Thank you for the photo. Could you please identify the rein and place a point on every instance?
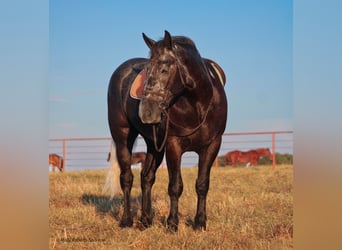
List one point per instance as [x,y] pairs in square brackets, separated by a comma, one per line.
[159,149]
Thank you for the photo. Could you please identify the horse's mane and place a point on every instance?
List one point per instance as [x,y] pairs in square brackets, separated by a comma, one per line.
[183,41]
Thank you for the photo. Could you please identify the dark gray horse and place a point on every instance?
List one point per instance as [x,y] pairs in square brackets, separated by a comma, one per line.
[183,108]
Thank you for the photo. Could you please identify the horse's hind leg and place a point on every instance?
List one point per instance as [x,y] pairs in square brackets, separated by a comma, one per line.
[206,159]
[126,181]
[123,152]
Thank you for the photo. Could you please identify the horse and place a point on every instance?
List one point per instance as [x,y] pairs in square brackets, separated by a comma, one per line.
[183,107]
[250,157]
[56,161]
[137,157]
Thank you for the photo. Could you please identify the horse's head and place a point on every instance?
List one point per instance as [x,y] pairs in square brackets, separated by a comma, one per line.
[166,79]
[266,152]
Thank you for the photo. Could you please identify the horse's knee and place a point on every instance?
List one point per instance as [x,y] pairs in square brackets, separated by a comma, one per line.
[147,180]
[202,186]
[126,178]
[175,189]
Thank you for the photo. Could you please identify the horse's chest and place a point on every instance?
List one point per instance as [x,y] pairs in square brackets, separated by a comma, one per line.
[193,142]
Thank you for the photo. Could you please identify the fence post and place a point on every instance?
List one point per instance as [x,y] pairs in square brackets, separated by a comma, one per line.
[64,153]
[273,151]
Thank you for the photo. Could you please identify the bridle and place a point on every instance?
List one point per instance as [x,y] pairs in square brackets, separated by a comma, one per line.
[164,106]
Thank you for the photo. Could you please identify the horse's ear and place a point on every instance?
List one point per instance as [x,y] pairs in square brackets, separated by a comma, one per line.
[149,42]
[168,40]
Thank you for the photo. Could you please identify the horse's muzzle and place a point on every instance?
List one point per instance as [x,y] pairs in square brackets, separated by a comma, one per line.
[149,111]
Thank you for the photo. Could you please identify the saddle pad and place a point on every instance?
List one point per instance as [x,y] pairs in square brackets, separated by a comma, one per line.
[138,85]
[219,71]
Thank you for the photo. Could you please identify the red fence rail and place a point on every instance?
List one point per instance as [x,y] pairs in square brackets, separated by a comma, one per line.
[91,153]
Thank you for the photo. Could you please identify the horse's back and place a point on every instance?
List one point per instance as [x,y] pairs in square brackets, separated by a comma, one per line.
[118,92]
[124,75]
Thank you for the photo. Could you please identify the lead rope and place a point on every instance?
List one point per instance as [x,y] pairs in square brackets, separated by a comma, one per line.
[159,149]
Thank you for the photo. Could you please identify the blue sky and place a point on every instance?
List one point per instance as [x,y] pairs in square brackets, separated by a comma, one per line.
[251,40]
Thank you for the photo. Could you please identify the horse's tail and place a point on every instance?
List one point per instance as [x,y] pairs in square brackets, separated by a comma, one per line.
[112,183]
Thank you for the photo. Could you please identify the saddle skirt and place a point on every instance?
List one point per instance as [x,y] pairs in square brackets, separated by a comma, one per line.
[218,70]
[138,83]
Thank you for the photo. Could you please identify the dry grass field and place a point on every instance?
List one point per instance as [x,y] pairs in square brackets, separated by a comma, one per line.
[247,208]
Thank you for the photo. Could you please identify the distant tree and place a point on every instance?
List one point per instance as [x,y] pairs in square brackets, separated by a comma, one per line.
[265,161]
[222,161]
[280,159]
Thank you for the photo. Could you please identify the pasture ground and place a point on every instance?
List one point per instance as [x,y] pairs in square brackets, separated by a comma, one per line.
[247,208]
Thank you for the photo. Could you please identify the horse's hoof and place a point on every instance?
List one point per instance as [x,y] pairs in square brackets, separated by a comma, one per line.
[144,223]
[172,228]
[141,226]
[128,222]
[199,225]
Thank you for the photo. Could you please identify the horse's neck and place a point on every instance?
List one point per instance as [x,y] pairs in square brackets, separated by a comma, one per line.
[190,111]
[202,93]
[262,152]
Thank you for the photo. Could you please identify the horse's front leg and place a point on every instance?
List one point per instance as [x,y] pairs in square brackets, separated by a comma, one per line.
[148,173]
[206,159]
[175,189]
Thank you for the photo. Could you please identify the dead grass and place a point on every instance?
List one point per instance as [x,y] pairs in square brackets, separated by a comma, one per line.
[247,208]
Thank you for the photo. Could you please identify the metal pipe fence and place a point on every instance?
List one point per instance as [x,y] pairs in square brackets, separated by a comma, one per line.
[92,153]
